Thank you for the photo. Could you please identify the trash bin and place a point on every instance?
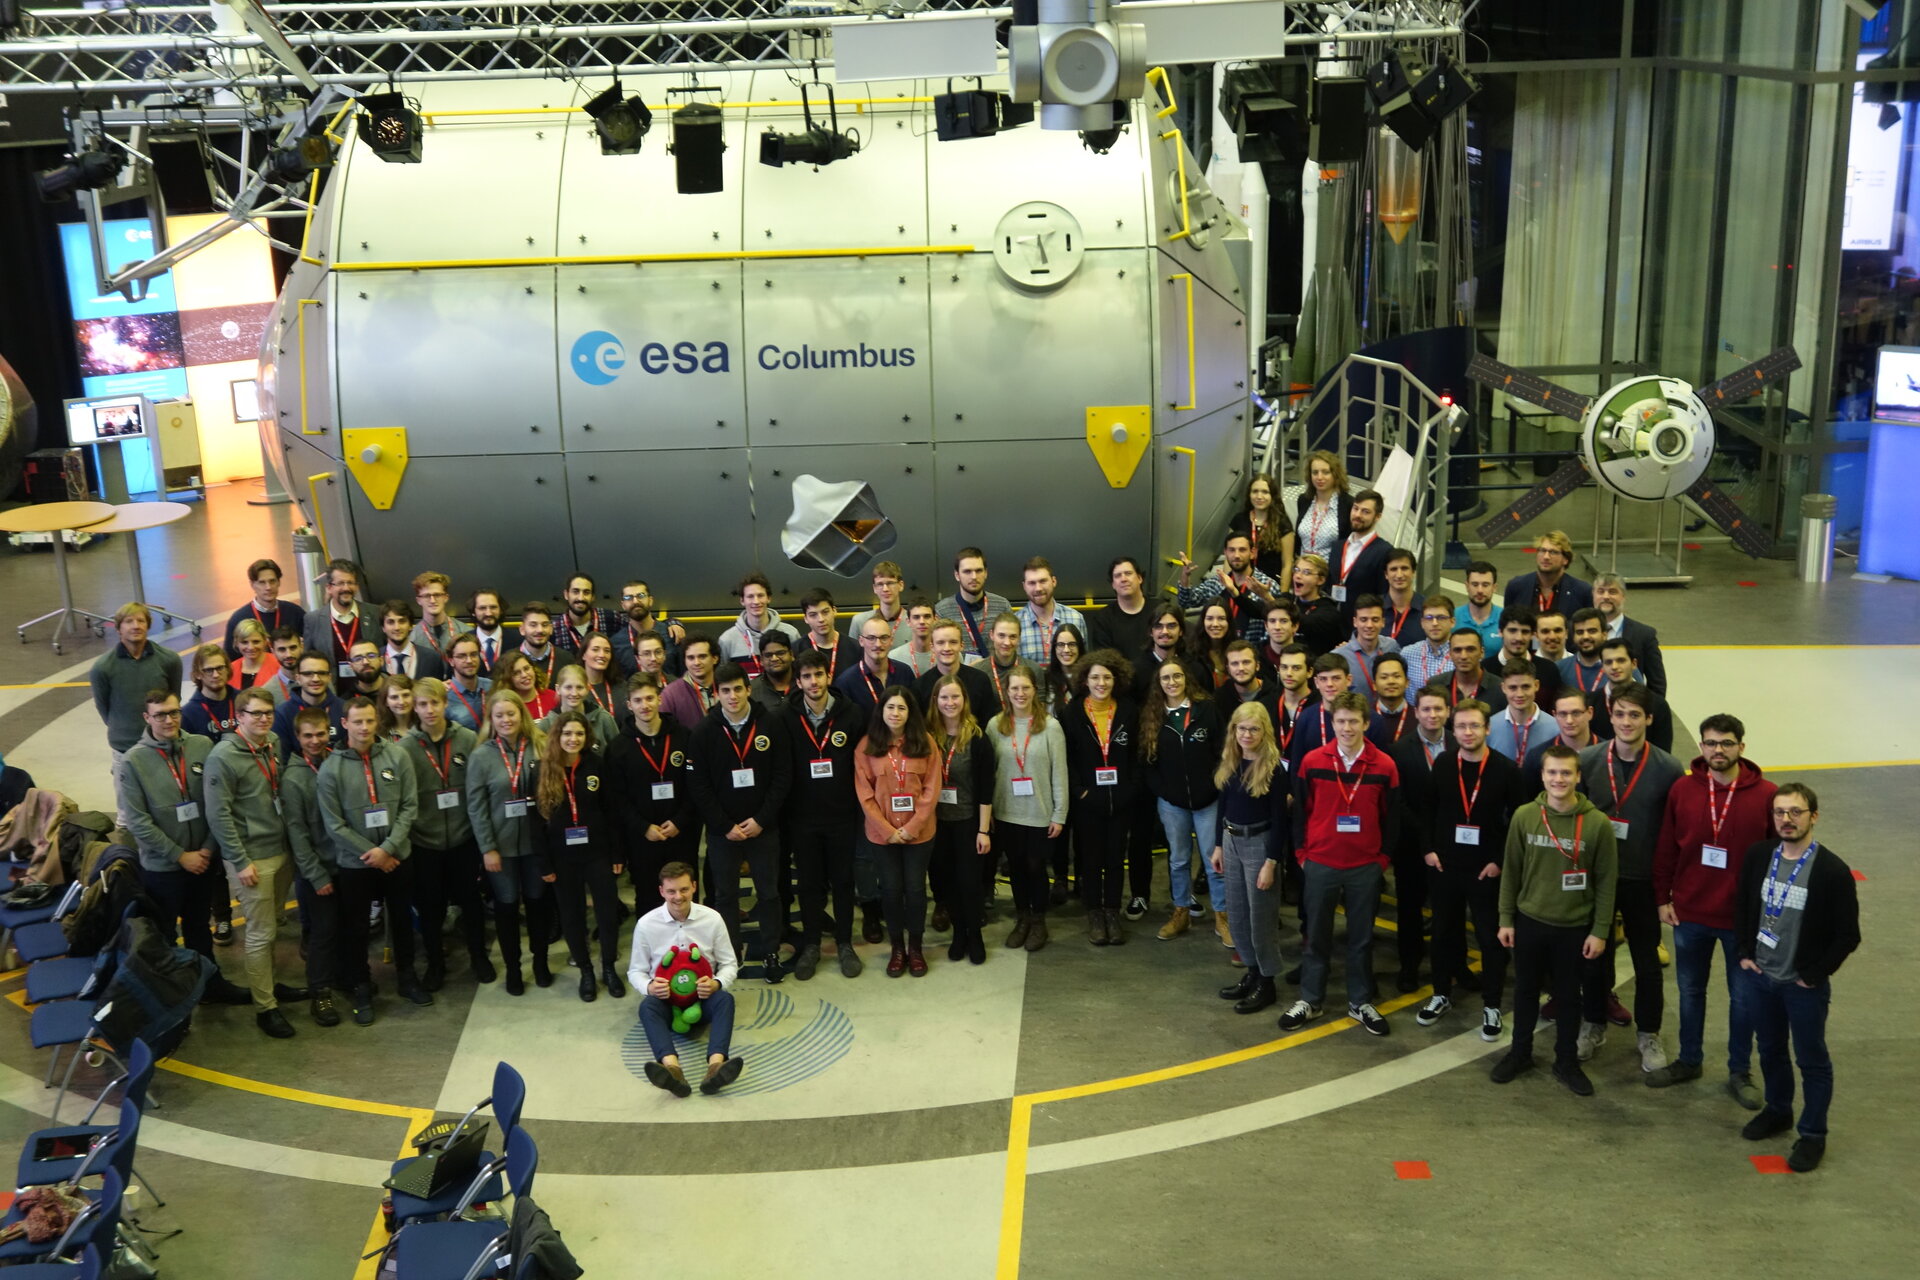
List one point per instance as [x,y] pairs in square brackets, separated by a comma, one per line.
[1816,536]
[310,563]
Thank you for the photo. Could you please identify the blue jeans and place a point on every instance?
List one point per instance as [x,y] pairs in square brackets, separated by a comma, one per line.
[1778,1011]
[1693,946]
[656,1018]
[1184,827]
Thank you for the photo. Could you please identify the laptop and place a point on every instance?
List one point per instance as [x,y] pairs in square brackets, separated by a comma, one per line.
[452,1163]
[1896,384]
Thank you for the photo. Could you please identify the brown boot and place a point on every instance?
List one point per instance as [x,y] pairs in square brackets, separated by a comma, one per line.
[1097,927]
[1037,936]
[1116,930]
[1221,931]
[1022,927]
[1176,924]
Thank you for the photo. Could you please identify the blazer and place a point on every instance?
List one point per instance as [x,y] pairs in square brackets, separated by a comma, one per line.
[1643,642]
[1343,508]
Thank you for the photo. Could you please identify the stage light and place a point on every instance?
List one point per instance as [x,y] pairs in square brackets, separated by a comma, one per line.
[697,143]
[84,171]
[816,144]
[1101,141]
[976,113]
[301,157]
[1259,112]
[620,122]
[1392,89]
[390,125]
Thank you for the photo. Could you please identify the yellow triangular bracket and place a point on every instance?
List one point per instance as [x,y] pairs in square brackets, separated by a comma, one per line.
[377,456]
[1119,434]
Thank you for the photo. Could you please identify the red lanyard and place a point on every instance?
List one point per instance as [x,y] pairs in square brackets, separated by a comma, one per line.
[433,642]
[1581,681]
[444,765]
[1293,724]
[1459,776]
[993,669]
[1717,816]
[603,697]
[578,636]
[1399,621]
[1432,753]
[741,747]
[1351,552]
[1102,731]
[513,766]
[1619,796]
[261,618]
[1348,794]
[700,695]
[946,765]
[1574,856]
[344,646]
[1520,735]
[1543,600]
[453,686]
[832,650]
[875,689]
[1318,515]
[1020,752]
[966,616]
[666,752]
[552,658]
[266,765]
[1400,725]
[180,774]
[1455,682]
[897,761]
[1053,625]
[366,767]
[819,741]
[221,712]
[573,809]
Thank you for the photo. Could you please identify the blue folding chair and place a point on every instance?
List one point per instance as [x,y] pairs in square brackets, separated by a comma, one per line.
[466,1248]
[68,1024]
[87,1268]
[14,918]
[95,1226]
[34,1173]
[508,1097]
[47,938]
[60,978]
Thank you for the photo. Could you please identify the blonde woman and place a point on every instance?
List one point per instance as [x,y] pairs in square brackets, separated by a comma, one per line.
[963,841]
[502,778]
[256,663]
[1322,512]
[1254,837]
[1029,799]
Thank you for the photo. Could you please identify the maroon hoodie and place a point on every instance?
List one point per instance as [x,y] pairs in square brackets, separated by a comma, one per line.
[1702,893]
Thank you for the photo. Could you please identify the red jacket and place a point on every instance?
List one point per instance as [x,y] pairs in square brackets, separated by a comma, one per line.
[1703,894]
[1322,793]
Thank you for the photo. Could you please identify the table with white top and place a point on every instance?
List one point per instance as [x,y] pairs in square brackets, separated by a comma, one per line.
[57,518]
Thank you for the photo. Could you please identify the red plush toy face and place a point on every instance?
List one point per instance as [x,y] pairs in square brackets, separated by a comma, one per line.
[683,967]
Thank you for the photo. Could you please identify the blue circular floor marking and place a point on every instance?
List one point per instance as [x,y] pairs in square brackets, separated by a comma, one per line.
[784,1041]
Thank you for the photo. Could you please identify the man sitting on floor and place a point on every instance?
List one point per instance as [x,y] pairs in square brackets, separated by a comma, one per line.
[680,921]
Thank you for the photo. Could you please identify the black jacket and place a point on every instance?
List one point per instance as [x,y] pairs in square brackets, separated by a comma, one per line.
[1409,756]
[1367,577]
[1643,643]
[1323,628]
[1829,925]
[1496,792]
[594,808]
[1343,508]
[633,777]
[1084,755]
[1659,721]
[983,699]
[717,753]
[831,801]
[1181,771]
[1146,673]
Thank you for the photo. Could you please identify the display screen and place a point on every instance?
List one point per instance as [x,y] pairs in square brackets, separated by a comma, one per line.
[1896,384]
[95,421]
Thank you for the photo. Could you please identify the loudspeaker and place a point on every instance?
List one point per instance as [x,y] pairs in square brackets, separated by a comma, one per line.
[697,146]
[1339,131]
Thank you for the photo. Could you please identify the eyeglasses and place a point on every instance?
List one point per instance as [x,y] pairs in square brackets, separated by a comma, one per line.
[1719,744]
[636,595]
[1791,813]
[165,715]
[252,714]
[431,595]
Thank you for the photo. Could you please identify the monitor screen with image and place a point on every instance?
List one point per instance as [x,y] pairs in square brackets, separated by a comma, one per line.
[107,419]
[1896,384]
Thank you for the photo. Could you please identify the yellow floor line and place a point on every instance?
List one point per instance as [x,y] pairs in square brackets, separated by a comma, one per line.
[1778,770]
[377,1236]
[1888,645]
[72,684]
[283,1092]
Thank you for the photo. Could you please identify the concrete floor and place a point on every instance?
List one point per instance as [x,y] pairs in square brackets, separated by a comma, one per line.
[1151,1131]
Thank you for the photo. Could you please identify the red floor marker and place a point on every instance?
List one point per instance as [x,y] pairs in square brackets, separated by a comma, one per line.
[1746,584]
[6,1201]
[1415,1169]
[1769,1164]
[1527,550]
[1859,874]
[1693,546]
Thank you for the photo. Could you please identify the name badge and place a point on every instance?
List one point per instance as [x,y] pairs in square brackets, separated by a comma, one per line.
[186,811]
[1463,834]
[820,768]
[375,817]
[446,799]
[1573,881]
[1713,855]
[276,804]
[663,791]
[516,808]
[1348,823]
[1620,826]
[1768,938]
[576,835]
[346,670]
[1023,786]
[1106,777]
[901,803]
[949,795]
[742,778]
[1339,594]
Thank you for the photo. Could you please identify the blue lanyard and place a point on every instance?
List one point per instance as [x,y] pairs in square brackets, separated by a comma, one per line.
[1768,909]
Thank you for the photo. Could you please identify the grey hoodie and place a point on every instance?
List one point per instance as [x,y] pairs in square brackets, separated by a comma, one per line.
[243,801]
[345,805]
[148,791]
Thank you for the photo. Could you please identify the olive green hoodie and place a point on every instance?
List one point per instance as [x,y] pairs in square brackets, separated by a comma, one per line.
[1531,876]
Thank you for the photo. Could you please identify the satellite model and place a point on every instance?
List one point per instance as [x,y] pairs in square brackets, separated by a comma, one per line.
[1648,438]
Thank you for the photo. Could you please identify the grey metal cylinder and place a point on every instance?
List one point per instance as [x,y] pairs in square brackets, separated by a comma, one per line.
[310,565]
[1816,536]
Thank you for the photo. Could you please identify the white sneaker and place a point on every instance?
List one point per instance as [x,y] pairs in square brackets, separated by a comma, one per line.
[1490,1025]
[1432,1011]
[1592,1036]
[1652,1055]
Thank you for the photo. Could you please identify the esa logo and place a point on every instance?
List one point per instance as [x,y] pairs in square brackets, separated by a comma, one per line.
[599,357]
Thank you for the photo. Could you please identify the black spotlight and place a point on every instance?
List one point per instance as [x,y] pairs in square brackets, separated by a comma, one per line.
[303,156]
[1259,111]
[1391,86]
[86,171]
[697,143]
[620,122]
[1444,89]
[390,125]
[976,113]
[816,144]
[1100,141]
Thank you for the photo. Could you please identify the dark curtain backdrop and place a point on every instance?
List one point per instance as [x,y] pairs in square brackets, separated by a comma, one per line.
[36,322]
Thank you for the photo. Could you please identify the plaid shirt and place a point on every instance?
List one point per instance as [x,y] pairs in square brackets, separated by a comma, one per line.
[1036,640]
[1426,661]
[1248,611]
[564,634]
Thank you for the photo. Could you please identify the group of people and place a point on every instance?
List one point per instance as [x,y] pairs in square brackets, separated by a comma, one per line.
[1290,745]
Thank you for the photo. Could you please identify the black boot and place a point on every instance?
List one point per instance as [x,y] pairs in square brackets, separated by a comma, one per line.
[1257,999]
[1243,988]
[588,988]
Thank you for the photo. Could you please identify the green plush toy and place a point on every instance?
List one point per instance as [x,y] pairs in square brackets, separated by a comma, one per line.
[683,967]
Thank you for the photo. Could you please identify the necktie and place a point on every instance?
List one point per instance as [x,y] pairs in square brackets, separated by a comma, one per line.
[489,655]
